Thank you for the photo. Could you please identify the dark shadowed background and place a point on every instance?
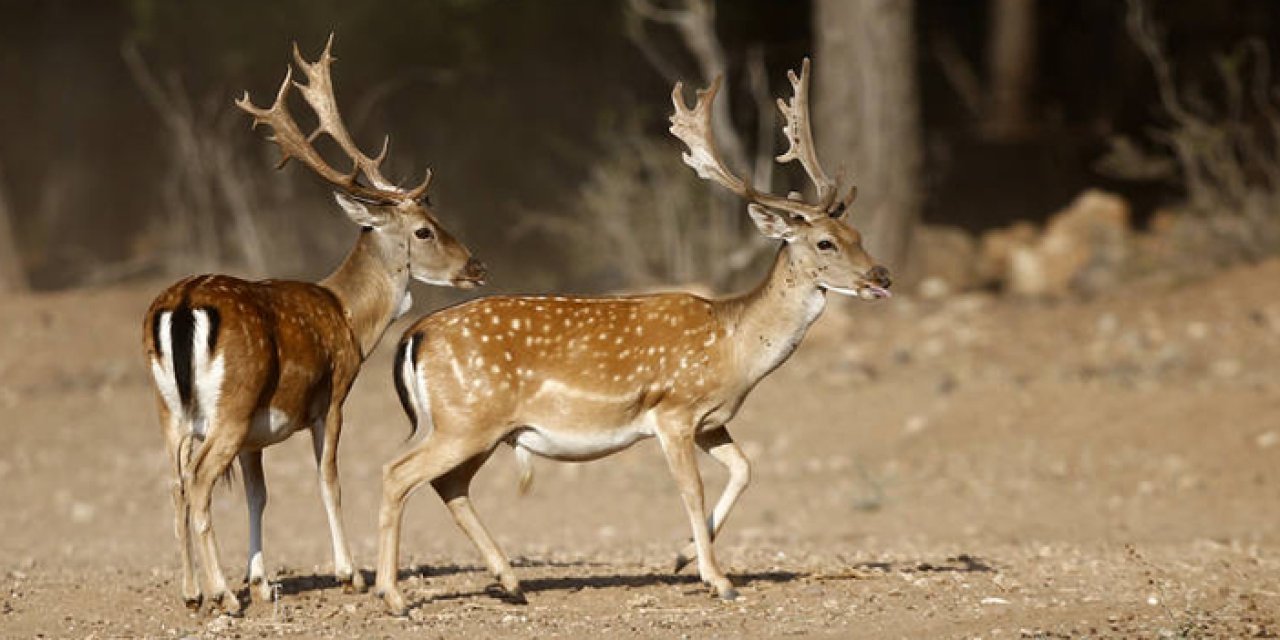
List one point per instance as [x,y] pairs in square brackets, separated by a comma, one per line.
[124,158]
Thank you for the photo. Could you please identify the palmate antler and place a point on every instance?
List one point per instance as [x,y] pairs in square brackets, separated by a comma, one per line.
[318,92]
[693,127]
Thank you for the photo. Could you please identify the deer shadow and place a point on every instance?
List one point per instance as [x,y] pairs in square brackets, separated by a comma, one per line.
[298,584]
[295,584]
[963,563]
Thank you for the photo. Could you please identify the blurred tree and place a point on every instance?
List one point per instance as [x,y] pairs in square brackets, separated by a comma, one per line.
[868,114]
[726,245]
[1011,67]
[13,277]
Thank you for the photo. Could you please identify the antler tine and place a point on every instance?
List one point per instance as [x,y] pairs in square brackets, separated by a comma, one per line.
[264,116]
[318,92]
[287,135]
[420,190]
[693,128]
[796,115]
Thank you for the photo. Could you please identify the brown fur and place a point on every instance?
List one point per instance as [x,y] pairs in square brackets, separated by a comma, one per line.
[574,378]
[284,354]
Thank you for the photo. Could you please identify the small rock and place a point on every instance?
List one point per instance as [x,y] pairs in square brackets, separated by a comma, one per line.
[934,288]
[1267,440]
[82,512]
[1226,368]
[220,625]
[642,602]
[915,424]
[994,600]
[1197,330]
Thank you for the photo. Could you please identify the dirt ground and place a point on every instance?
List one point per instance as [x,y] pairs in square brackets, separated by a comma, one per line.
[970,467]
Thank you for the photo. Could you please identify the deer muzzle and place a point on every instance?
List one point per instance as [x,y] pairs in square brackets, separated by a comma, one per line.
[473,274]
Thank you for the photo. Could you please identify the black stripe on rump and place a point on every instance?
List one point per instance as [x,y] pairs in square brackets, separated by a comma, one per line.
[402,384]
[182,327]
[155,332]
[215,319]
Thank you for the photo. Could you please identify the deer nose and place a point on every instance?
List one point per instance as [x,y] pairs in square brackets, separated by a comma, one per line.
[475,270]
[880,276]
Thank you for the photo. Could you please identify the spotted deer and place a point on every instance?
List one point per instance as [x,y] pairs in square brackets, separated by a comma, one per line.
[239,366]
[578,378]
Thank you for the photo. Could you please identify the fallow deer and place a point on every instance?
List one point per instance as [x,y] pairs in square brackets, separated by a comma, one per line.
[239,366]
[576,378]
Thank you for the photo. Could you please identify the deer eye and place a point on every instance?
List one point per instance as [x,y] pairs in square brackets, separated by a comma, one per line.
[424,233]
[826,245]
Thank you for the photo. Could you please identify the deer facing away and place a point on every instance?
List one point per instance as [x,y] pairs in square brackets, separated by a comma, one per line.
[574,379]
[239,366]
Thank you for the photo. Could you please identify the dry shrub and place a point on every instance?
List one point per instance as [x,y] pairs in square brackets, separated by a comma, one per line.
[642,219]
[222,203]
[1225,153]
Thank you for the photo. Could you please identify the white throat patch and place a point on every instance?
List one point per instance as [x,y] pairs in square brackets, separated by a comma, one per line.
[406,303]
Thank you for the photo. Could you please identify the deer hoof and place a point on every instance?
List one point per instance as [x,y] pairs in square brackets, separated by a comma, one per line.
[353,583]
[509,595]
[682,561]
[516,596]
[262,590]
[394,601]
[228,603]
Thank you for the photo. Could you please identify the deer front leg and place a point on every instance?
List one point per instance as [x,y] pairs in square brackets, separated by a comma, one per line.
[255,494]
[720,445]
[324,440]
[678,445]
[454,488]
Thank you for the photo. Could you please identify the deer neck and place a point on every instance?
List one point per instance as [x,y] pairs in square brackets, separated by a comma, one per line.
[372,284]
[769,322]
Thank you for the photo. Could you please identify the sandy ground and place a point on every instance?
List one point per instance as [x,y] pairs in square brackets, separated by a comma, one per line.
[973,467]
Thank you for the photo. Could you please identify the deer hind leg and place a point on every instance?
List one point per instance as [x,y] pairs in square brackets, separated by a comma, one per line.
[454,488]
[255,493]
[324,440]
[210,462]
[178,443]
[720,445]
[430,459]
[678,446]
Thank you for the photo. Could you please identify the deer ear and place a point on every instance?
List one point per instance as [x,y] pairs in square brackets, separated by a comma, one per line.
[772,225]
[362,212]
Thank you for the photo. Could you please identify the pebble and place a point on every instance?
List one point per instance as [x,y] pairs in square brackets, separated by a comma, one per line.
[1267,439]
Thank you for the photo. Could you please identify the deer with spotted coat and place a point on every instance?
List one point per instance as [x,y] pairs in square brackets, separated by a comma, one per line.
[575,378]
[239,366]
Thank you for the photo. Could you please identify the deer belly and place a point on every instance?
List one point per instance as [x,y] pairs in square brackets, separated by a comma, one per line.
[269,426]
[577,446]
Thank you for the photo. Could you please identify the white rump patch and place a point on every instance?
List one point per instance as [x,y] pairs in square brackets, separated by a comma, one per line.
[162,367]
[208,374]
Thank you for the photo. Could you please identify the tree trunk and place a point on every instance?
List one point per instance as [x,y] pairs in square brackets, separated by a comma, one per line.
[868,115]
[1011,64]
[13,278]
